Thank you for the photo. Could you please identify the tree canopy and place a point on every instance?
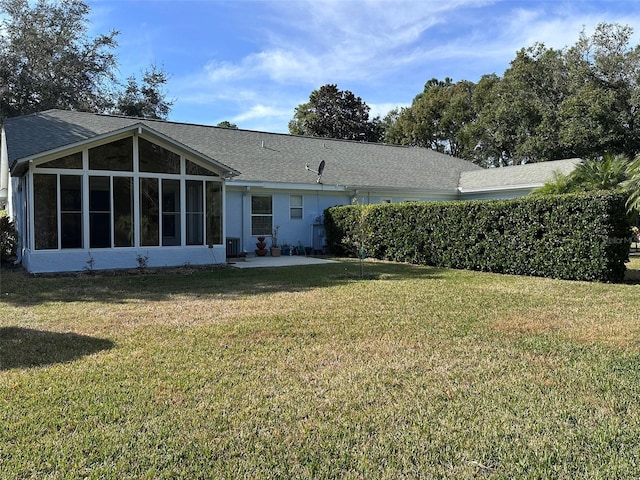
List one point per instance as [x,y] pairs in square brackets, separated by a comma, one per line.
[47,60]
[147,100]
[334,113]
[582,101]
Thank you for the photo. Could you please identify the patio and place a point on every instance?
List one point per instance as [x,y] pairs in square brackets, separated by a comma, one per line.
[282,261]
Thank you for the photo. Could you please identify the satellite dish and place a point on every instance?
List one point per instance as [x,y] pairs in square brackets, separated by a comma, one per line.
[317,172]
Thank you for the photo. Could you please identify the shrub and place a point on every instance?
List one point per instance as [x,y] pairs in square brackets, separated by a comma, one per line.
[577,236]
[8,238]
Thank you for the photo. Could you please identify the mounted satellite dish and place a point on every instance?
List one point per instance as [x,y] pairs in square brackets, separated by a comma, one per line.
[317,172]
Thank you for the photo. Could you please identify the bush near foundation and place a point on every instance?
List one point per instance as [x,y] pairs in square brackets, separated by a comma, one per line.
[8,238]
[577,237]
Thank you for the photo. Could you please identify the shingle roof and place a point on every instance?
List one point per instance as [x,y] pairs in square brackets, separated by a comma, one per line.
[258,156]
[531,174]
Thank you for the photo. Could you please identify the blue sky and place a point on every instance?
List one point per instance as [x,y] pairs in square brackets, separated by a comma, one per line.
[253,62]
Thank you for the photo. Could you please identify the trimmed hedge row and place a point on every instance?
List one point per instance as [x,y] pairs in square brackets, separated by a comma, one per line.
[574,237]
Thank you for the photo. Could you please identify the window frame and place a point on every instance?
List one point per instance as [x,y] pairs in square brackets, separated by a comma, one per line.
[296,208]
[256,216]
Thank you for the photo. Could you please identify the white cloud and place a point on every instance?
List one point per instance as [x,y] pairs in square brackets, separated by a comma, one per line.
[260,111]
[383,51]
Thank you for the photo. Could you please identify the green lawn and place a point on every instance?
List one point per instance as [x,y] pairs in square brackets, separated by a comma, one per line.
[309,372]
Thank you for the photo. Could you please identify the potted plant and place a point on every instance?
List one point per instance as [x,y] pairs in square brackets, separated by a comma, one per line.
[275,248]
[285,249]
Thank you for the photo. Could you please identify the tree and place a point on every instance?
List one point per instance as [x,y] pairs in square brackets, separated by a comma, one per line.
[602,109]
[47,60]
[147,100]
[438,118]
[334,113]
[227,124]
[522,111]
[611,172]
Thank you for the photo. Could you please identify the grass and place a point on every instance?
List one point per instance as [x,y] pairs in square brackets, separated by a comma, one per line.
[309,372]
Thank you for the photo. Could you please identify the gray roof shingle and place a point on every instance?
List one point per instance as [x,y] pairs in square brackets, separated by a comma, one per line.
[258,156]
[531,174]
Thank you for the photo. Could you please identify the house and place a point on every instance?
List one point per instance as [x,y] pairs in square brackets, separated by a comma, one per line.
[98,191]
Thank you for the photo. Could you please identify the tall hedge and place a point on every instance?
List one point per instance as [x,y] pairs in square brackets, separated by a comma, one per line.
[576,237]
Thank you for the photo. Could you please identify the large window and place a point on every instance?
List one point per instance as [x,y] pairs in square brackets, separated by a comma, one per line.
[70,161]
[49,191]
[99,212]
[261,215]
[123,212]
[70,211]
[149,212]
[116,155]
[171,226]
[153,158]
[174,200]
[214,213]
[195,213]
[45,209]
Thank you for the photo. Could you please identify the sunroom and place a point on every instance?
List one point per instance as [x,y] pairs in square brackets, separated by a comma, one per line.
[132,198]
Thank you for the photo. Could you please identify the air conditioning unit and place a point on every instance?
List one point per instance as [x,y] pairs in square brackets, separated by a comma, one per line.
[233,247]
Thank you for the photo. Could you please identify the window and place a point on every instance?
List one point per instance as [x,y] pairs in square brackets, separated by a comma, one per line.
[173,205]
[116,155]
[295,207]
[193,169]
[45,211]
[149,212]
[153,158]
[171,212]
[99,212]
[70,161]
[195,212]
[123,211]
[214,213]
[70,211]
[261,215]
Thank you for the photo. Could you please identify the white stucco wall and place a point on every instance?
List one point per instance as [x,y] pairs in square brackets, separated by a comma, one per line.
[46,261]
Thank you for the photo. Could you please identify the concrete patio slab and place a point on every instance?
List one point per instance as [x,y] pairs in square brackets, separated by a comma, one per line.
[283,261]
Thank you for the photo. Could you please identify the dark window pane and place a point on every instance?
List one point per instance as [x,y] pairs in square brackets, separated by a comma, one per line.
[261,225]
[171,212]
[123,211]
[154,158]
[45,210]
[71,211]
[214,213]
[193,169]
[195,213]
[70,193]
[261,205]
[149,212]
[113,156]
[70,161]
[71,230]
[99,212]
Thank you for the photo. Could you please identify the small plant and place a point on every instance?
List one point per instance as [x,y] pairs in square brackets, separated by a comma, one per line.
[143,261]
[274,236]
[90,264]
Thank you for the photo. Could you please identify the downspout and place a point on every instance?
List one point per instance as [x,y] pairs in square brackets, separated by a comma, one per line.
[4,171]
